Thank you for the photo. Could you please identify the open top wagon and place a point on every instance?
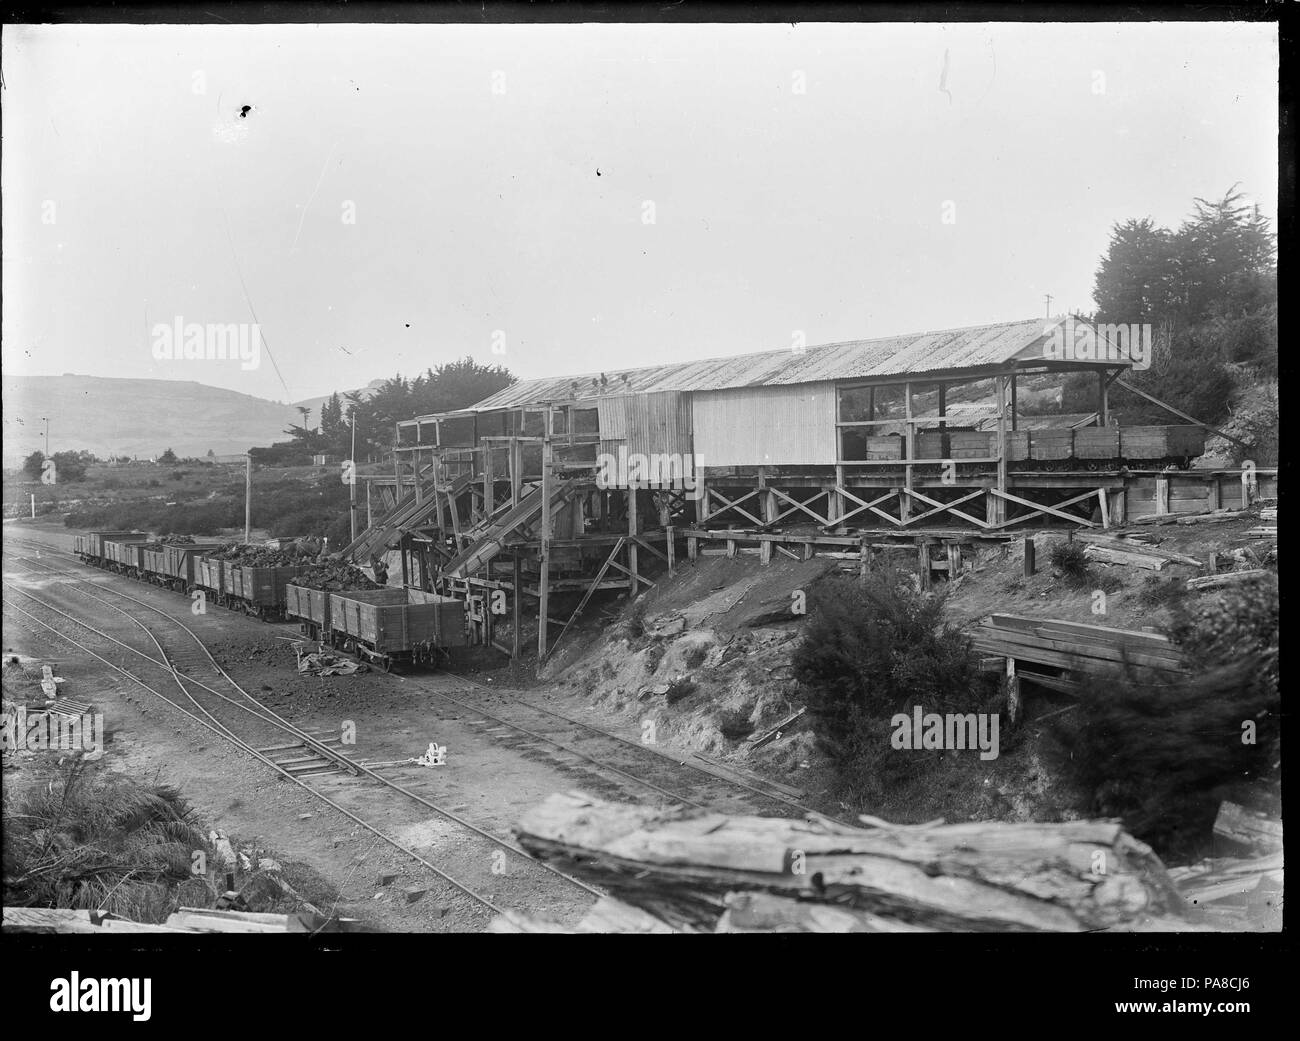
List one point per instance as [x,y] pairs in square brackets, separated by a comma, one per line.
[395,626]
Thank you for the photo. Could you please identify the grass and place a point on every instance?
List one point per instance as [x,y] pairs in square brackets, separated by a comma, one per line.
[92,840]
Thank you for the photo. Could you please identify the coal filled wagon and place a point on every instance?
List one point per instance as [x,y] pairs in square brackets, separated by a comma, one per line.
[122,554]
[390,627]
[258,591]
[310,608]
[175,565]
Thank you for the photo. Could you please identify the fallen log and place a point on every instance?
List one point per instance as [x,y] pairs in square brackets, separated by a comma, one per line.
[1129,558]
[1228,578]
[685,868]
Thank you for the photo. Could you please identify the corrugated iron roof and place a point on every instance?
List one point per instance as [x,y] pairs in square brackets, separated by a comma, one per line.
[949,350]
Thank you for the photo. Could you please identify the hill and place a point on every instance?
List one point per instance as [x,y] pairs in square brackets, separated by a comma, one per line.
[135,417]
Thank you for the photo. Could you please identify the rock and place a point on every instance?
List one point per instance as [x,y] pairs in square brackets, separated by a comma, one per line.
[413,893]
[386,878]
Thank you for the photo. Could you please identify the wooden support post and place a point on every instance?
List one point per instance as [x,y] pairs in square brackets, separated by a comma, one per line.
[1118,507]
[702,503]
[909,447]
[489,491]
[516,470]
[415,476]
[632,555]
[1103,398]
[692,548]
[1105,507]
[864,558]
[1212,497]
[1162,495]
[923,562]
[1015,409]
[517,598]
[1030,562]
[369,510]
[544,550]
[954,560]
[670,545]
[1000,503]
[1013,691]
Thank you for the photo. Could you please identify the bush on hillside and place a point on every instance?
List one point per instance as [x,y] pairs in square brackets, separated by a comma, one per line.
[1162,755]
[873,649]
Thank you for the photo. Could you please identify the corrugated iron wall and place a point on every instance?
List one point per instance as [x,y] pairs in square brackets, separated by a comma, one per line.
[758,426]
[646,423]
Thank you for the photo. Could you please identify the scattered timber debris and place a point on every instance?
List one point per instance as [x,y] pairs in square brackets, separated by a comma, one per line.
[185,920]
[777,730]
[699,871]
[1247,831]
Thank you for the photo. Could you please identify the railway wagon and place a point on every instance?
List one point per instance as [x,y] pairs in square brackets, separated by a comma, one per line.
[209,573]
[91,546]
[1055,448]
[175,565]
[310,607]
[151,563]
[396,626]
[1180,443]
[123,554]
[259,591]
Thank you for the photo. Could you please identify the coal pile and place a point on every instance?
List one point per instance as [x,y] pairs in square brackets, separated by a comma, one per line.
[262,556]
[335,576]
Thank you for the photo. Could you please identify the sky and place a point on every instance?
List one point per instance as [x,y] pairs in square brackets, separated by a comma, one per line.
[573,199]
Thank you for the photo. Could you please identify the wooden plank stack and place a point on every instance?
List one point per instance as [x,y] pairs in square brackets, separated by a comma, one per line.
[700,871]
[1073,645]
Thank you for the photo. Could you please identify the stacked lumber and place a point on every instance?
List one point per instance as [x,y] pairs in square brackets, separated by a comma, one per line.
[1073,645]
[701,871]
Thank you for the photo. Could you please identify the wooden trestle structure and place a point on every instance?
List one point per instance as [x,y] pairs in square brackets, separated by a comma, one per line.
[573,486]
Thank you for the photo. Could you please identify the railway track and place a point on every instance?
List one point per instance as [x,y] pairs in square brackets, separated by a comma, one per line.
[542,734]
[304,758]
[561,738]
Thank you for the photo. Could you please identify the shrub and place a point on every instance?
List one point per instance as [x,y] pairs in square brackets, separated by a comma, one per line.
[1069,559]
[734,724]
[1158,591]
[100,841]
[870,650]
[1162,755]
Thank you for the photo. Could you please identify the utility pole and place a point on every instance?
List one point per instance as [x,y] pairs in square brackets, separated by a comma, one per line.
[1048,298]
[352,476]
[248,496]
[47,436]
